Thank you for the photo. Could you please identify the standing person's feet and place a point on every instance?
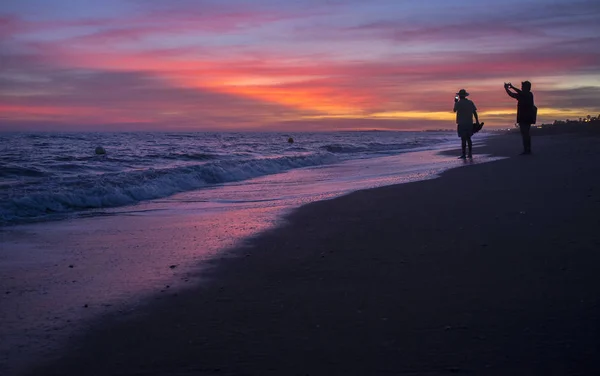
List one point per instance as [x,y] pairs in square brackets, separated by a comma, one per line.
[462,157]
[525,153]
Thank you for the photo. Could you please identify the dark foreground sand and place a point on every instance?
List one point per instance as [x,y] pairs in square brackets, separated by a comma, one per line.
[491,269]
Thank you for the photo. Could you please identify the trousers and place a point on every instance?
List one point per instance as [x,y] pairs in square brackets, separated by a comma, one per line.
[525,134]
[464,142]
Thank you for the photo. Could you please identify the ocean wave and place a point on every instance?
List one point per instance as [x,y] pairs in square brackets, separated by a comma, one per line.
[107,158]
[17,171]
[50,175]
[372,147]
[125,188]
[69,167]
[91,157]
[189,156]
[342,148]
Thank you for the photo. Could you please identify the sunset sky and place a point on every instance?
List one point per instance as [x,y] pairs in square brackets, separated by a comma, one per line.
[290,65]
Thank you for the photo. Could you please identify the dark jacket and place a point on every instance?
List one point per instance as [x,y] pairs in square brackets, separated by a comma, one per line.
[526,113]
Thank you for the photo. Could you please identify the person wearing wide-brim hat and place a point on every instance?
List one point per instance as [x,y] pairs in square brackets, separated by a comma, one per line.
[465,111]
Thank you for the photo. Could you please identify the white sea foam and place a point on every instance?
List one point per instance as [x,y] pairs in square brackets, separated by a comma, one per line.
[123,188]
[45,175]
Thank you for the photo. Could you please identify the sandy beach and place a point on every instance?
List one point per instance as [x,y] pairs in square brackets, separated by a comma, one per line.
[490,269]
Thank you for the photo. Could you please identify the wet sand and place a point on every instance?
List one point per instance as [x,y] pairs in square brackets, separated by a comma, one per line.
[490,269]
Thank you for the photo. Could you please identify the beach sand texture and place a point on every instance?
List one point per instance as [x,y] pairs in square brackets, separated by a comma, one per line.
[490,269]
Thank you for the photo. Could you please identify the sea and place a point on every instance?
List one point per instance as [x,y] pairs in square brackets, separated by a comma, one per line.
[56,176]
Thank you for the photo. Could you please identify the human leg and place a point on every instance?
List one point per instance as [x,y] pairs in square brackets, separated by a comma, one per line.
[527,141]
[463,141]
[526,135]
[470,143]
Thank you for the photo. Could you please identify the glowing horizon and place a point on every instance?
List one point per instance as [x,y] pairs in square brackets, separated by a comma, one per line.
[306,65]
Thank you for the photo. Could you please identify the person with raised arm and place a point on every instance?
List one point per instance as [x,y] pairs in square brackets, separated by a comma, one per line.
[526,111]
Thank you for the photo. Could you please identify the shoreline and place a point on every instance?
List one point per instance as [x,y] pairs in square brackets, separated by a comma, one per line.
[105,184]
[329,291]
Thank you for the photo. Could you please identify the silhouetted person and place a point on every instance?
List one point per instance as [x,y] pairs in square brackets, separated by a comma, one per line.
[526,111]
[465,110]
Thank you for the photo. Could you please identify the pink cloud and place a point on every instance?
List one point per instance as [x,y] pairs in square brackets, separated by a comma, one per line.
[11,25]
[169,25]
[209,18]
[110,97]
[447,32]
